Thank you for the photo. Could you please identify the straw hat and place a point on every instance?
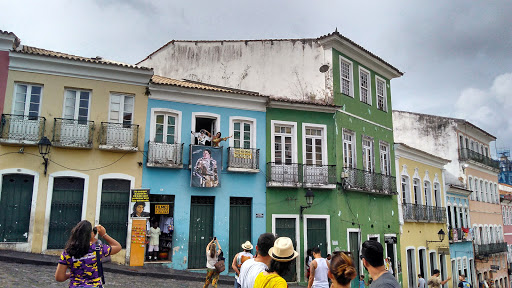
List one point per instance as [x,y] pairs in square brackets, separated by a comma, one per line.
[283,250]
[247,245]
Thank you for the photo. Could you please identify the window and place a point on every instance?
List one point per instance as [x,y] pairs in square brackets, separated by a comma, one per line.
[242,134]
[165,128]
[428,193]
[482,191]
[315,144]
[477,192]
[470,187]
[368,154]
[121,108]
[405,189]
[384,159]
[380,85]
[348,149]
[346,77]
[27,100]
[437,195]
[364,86]
[461,217]
[76,105]
[416,191]
[461,142]
[486,152]
[284,142]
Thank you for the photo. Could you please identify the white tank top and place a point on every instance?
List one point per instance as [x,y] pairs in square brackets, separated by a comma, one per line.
[321,274]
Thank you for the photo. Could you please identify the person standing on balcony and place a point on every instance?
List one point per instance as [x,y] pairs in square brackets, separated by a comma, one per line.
[202,136]
[216,139]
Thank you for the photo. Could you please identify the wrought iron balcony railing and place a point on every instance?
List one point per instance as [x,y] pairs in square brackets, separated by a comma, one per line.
[296,175]
[468,154]
[318,175]
[21,129]
[285,175]
[458,235]
[370,182]
[165,155]
[119,136]
[417,212]
[243,160]
[72,133]
[488,249]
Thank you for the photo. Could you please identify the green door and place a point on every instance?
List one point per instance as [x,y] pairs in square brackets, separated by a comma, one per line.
[16,201]
[317,235]
[201,230]
[115,202]
[66,209]
[239,225]
[353,239]
[285,227]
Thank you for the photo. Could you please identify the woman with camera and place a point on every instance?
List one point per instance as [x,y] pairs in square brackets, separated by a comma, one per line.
[213,251]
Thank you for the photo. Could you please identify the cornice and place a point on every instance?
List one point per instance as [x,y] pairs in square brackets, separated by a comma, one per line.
[458,190]
[402,150]
[302,107]
[482,167]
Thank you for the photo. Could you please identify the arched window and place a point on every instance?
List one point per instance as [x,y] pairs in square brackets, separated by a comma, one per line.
[470,187]
[406,192]
[416,191]
[477,191]
[428,193]
[482,191]
[437,194]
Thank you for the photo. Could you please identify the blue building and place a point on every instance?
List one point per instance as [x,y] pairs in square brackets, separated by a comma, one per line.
[460,234]
[202,198]
[505,176]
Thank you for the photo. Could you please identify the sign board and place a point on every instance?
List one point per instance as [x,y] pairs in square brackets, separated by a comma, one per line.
[259,215]
[207,163]
[138,242]
[443,250]
[495,267]
[162,209]
[140,203]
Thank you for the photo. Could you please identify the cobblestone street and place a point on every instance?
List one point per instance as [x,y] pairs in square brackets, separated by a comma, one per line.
[26,275]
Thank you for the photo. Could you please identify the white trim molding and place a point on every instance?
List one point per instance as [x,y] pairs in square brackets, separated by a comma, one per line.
[152,130]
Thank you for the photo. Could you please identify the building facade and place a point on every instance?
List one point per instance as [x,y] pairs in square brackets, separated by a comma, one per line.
[423,242]
[506,212]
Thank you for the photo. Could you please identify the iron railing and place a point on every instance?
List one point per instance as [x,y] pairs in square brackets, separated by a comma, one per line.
[72,133]
[20,128]
[119,136]
[365,181]
[457,235]
[468,154]
[165,155]
[295,174]
[418,212]
[242,158]
[315,175]
[493,248]
[283,174]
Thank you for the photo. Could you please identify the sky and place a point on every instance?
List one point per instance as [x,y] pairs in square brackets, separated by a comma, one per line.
[456,55]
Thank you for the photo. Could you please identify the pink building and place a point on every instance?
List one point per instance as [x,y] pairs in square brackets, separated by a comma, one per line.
[8,41]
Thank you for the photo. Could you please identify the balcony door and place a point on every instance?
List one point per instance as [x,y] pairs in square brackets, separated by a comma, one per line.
[165,147]
[283,153]
[368,161]
[24,124]
[315,168]
[119,130]
[74,127]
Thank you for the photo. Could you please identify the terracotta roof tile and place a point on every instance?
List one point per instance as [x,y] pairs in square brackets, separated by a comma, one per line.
[305,102]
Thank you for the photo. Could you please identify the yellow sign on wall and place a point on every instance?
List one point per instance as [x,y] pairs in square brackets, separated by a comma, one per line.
[162,209]
[243,153]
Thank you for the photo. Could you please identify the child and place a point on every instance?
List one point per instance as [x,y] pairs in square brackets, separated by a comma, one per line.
[154,240]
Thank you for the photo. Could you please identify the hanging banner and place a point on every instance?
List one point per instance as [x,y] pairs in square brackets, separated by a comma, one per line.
[140,203]
[206,165]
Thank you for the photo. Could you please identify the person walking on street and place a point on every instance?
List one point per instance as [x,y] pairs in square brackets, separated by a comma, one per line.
[308,260]
[252,267]
[318,271]
[239,259]
[342,270]
[372,254]
[212,254]
[421,281]
[282,253]
[362,284]
[80,253]
[462,281]
[435,282]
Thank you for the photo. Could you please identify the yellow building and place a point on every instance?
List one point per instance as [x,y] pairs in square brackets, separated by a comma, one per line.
[422,215]
[94,112]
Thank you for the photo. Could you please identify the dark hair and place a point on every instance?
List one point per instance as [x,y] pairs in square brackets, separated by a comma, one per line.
[137,204]
[342,268]
[280,268]
[209,151]
[220,134]
[373,253]
[79,241]
[265,242]
[309,252]
[420,275]
[316,250]
[212,247]
[436,271]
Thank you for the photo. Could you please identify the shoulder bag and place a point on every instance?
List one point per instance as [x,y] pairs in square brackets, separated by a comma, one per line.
[99,263]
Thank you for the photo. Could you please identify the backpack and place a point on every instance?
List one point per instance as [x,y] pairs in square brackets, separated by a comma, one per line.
[241,259]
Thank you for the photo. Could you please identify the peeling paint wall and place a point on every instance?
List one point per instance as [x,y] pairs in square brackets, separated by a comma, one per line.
[284,68]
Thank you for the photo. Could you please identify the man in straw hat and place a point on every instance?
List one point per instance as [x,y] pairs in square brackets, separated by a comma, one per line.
[281,254]
[252,267]
[240,258]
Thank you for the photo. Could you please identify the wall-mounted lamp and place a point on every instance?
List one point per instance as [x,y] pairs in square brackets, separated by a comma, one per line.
[44,149]
[310,196]
[440,234]
[464,166]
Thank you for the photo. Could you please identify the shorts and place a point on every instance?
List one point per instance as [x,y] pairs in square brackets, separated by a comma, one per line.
[153,248]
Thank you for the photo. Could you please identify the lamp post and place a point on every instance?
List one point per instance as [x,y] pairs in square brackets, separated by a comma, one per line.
[44,149]
[440,235]
[310,196]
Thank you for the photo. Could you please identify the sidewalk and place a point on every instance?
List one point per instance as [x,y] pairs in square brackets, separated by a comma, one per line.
[149,270]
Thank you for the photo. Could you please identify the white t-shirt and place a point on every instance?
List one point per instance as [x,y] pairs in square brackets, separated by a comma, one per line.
[239,258]
[210,261]
[320,280]
[249,271]
[154,236]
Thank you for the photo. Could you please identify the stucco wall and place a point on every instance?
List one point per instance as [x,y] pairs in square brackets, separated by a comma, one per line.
[4,71]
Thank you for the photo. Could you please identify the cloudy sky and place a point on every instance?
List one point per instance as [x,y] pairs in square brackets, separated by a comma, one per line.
[456,55]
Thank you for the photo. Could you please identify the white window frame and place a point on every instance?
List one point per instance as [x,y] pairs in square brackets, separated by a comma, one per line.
[369,88]
[251,121]
[327,229]
[427,194]
[121,107]
[413,264]
[371,149]
[440,194]
[385,91]
[273,124]
[387,169]
[419,202]
[27,101]
[358,231]
[77,103]
[323,127]
[351,74]
[407,183]
[425,263]
[196,115]
[354,147]
[152,128]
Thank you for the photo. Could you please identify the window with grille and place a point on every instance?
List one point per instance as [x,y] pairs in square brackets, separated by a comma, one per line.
[283,144]
[346,77]
[364,86]
[384,159]
[381,94]
[348,150]
[368,154]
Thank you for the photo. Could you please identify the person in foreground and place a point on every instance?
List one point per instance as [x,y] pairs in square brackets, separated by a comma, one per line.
[213,251]
[435,282]
[372,255]
[282,254]
[341,271]
[319,268]
[80,256]
[252,267]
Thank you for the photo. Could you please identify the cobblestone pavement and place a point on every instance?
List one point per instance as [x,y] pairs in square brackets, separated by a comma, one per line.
[25,275]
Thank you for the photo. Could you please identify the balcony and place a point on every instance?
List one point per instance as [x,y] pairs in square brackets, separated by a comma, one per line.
[458,235]
[243,160]
[19,129]
[301,175]
[468,154]
[72,133]
[423,213]
[485,250]
[368,182]
[165,155]
[119,136]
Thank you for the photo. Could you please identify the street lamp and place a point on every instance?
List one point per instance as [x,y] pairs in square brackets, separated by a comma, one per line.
[440,235]
[44,149]
[310,196]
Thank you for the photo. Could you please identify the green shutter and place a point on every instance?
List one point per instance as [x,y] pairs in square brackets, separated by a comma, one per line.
[285,227]
[317,235]
[16,202]
[239,225]
[201,230]
[115,206]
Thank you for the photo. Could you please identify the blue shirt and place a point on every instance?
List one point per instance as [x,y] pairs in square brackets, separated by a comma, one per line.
[361,283]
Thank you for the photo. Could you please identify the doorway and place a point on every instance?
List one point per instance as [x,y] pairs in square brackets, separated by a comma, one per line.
[239,224]
[115,202]
[162,212]
[16,202]
[287,227]
[411,271]
[201,230]
[207,123]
